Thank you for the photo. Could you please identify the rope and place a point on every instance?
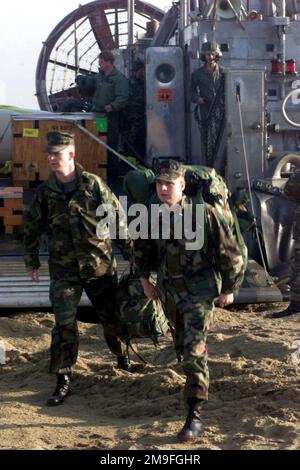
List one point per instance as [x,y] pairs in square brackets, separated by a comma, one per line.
[117,154]
[129,345]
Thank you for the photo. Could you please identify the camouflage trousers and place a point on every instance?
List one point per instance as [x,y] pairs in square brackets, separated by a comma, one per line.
[295,279]
[190,318]
[65,296]
[211,129]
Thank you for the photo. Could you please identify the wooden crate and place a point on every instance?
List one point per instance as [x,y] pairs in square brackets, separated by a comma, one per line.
[30,164]
[11,208]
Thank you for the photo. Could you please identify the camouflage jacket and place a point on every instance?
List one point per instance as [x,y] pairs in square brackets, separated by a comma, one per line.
[112,89]
[217,267]
[206,84]
[70,224]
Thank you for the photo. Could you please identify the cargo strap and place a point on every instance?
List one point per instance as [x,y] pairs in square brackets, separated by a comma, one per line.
[129,345]
[104,144]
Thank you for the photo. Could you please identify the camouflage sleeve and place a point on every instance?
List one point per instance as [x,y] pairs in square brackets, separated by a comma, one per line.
[229,258]
[121,93]
[122,239]
[33,231]
[292,187]
[142,253]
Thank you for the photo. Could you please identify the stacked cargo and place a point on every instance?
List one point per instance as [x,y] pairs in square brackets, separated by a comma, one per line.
[30,165]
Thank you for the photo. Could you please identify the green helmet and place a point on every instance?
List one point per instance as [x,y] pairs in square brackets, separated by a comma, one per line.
[211,47]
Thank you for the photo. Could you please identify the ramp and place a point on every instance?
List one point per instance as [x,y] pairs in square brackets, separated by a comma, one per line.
[18,291]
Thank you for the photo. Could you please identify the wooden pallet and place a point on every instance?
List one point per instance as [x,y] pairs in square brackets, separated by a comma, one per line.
[30,163]
[11,208]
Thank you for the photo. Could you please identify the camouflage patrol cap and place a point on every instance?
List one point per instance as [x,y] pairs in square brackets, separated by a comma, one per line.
[58,141]
[169,170]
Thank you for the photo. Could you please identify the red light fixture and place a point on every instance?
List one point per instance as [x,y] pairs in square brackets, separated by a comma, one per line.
[277,67]
[291,67]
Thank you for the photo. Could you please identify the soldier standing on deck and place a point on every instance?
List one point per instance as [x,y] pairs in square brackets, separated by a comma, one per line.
[189,281]
[292,192]
[110,97]
[207,91]
[65,209]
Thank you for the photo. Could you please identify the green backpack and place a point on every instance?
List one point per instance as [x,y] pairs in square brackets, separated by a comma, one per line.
[138,317]
[205,184]
[202,184]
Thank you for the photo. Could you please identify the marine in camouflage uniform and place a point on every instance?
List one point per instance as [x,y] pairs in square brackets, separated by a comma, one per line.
[78,260]
[189,281]
[111,96]
[207,91]
[292,192]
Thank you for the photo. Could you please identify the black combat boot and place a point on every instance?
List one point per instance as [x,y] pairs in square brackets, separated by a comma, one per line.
[193,426]
[293,308]
[123,363]
[62,390]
